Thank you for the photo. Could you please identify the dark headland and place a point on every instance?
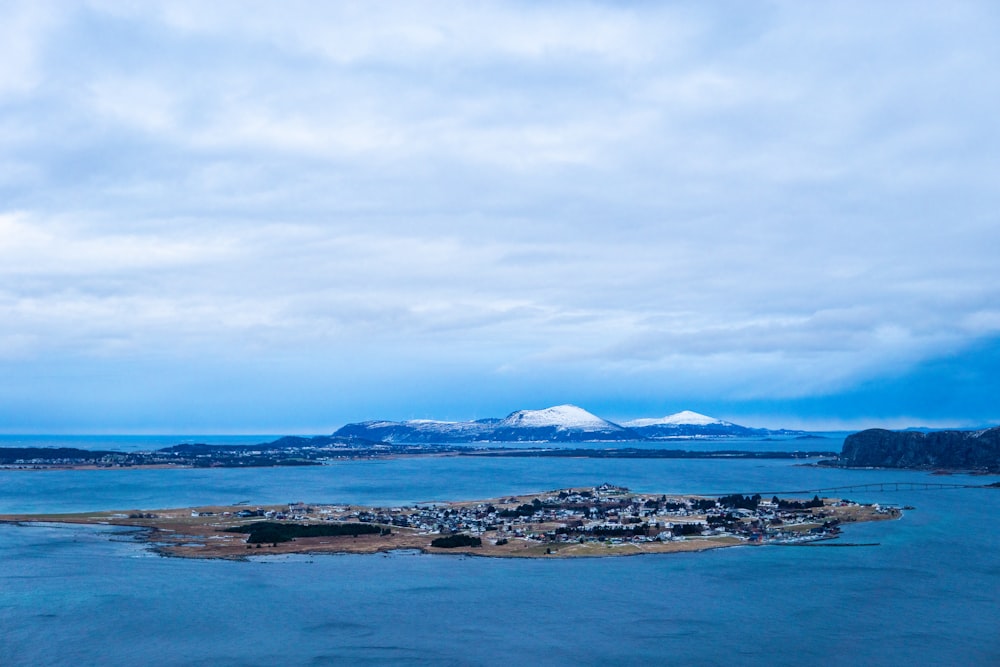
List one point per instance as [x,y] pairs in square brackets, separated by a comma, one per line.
[948,450]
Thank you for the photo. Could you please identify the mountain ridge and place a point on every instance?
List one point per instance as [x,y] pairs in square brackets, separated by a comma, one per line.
[560,423]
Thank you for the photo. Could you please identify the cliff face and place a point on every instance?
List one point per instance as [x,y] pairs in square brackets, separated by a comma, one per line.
[939,449]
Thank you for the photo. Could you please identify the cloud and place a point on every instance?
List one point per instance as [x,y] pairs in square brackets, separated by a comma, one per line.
[777,201]
[21,28]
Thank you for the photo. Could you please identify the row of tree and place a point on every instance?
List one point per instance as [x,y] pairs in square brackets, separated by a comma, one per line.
[797,505]
[456,540]
[270,531]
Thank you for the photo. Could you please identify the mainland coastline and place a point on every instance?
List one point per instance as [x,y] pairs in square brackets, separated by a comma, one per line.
[282,454]
[975,451]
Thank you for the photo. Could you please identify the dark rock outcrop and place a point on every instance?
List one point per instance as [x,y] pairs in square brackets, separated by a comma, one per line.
[965,450]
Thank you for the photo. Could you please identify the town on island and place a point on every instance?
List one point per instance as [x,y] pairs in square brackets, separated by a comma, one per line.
[606,520]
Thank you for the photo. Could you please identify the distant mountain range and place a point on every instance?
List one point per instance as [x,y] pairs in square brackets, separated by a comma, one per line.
[561,423]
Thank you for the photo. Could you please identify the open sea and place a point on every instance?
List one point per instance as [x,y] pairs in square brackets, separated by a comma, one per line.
[928,594]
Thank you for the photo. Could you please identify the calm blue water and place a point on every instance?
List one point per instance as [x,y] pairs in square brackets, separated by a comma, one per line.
[928,595]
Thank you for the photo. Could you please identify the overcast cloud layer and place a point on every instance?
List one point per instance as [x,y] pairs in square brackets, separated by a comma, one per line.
[285,216]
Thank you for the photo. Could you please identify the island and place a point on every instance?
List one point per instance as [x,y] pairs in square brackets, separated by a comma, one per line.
[605,520]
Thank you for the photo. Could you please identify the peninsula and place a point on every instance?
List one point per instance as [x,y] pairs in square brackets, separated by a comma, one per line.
[977,450]
[606,520]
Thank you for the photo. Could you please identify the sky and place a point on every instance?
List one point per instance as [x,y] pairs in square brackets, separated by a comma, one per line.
[260,217]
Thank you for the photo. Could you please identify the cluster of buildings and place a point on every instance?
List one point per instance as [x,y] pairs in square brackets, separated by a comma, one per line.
[604,513]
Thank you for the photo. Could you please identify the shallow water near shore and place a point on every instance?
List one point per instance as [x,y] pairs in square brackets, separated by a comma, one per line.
[93,595]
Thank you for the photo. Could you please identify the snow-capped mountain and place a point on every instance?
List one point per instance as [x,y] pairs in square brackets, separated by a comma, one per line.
[688,424]
[685,417]
[560,423]
[560,416]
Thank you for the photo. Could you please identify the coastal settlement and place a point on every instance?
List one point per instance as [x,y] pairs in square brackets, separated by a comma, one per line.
[606,520]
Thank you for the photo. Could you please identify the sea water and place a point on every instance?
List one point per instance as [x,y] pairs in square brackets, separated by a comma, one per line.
[927,594]
[813,442]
